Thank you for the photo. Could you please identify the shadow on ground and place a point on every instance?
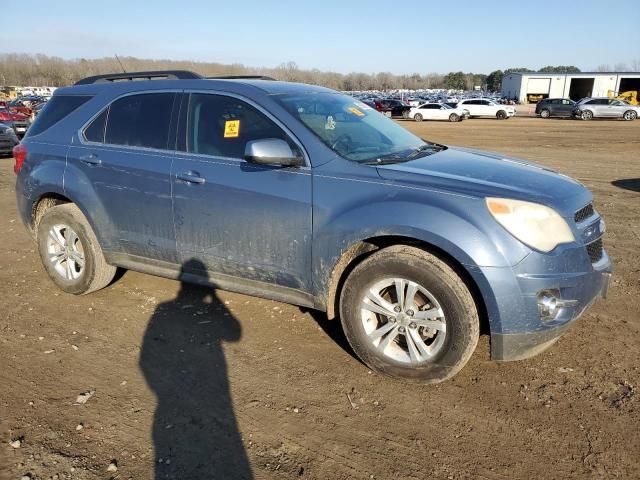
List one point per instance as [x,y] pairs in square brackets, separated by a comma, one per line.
[195,433]
[632,184]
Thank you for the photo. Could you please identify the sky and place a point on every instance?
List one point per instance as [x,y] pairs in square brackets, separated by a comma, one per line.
[401,36]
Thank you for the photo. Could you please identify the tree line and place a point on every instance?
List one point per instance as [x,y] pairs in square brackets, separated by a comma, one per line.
[43,70]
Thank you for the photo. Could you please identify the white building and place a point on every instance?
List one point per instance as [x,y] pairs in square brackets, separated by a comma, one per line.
[532,87]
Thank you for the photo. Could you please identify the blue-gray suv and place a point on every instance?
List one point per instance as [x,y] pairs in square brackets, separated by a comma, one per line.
[301,194]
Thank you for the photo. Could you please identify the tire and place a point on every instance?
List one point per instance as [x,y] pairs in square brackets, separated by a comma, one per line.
[417,117]
[545,113]
[450,342]
[405,114]
[70,252]
[586,115]
[501,115]
[630,115]
[387,114]
[454,117]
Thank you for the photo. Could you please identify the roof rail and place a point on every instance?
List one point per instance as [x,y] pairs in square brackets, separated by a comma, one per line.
[115,77]
[241,77]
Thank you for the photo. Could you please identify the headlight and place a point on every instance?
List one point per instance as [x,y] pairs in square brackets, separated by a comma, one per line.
[533,224]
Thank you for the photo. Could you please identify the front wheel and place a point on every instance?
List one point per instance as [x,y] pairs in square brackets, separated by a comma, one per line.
[407,314]
[405,114]
[586,115]
[630,115]
[417,117]
[70,251]
[501,115]
[454,117]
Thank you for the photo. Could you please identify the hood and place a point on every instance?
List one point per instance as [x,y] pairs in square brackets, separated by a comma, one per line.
[483,174]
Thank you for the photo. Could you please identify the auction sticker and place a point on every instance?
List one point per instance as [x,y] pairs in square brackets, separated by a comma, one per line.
[232,129]
[356,111]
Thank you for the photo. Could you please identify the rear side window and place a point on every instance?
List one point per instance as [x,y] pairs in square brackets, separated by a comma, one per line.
[95,131]
[222,126]
[140,120]
[55,110]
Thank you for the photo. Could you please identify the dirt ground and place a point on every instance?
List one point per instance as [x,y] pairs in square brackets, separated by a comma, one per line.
[186,380]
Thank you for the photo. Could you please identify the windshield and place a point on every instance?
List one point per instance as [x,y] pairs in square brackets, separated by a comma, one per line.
[353,129]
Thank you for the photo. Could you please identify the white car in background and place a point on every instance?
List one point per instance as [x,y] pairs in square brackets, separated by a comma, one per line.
[438,111]
[483,107]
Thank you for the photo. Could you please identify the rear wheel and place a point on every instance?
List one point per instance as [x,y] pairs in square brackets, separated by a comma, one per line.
[586,115]
[454,117]
[501,115]
[407,314]
[70,252]
[417,117]
[630,115]
[545,113]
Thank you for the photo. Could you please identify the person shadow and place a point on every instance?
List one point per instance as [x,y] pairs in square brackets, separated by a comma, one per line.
[195,433]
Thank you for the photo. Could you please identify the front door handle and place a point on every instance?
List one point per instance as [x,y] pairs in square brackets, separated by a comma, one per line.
[191,177]
[91,159]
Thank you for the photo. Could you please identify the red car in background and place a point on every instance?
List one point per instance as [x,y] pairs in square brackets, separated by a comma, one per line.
[16,120]
[377,104]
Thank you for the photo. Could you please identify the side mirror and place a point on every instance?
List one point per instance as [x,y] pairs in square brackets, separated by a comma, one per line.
[271,151]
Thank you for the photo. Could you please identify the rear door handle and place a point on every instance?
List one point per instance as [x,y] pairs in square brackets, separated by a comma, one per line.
[191,177]
[91,159]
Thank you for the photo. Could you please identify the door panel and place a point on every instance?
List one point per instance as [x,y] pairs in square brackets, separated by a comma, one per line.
[238,218]
[134,190]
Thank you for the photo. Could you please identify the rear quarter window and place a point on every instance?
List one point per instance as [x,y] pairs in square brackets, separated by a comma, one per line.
[59,107]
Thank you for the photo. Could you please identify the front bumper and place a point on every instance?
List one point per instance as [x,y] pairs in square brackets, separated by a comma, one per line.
[518,346]
[518,330]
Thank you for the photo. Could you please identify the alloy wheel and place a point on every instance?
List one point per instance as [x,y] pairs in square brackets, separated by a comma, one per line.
[65,252]
[403,320]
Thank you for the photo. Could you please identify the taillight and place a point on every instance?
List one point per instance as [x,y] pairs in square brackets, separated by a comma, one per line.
[5,116]
[19,154]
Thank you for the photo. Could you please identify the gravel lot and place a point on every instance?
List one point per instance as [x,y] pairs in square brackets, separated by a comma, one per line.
[180,381]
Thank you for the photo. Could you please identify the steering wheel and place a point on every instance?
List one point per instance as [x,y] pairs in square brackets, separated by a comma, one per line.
[344,140]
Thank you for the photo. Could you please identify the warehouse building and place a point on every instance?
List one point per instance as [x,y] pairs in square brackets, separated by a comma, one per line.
[533,87]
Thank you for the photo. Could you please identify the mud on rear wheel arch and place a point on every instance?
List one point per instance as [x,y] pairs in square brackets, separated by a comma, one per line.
[44,203]
[357,252]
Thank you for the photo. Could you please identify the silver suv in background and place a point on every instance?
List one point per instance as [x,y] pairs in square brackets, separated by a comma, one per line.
[589,108]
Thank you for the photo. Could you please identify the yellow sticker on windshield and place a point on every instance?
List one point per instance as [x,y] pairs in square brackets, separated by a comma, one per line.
[232,129]
[356,111]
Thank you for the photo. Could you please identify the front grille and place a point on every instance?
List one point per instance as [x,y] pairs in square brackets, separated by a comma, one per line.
[595,250]
[584,213]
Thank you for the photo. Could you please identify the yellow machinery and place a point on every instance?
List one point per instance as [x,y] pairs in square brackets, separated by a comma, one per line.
[631,96]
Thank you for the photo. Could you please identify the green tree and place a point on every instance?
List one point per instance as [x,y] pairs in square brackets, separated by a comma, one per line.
[560,69]
[494,81]
[454,81]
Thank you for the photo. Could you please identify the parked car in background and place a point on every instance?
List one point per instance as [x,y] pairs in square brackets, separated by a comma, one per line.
[18,121]
[8,139]
[604,107]
[378,106]
[555,107]
[482,107]
[301,194]
[397,108]
[437,111]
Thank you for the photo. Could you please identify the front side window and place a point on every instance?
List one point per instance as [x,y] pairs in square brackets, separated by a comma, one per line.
[352,129]
[221,126]
[140,120]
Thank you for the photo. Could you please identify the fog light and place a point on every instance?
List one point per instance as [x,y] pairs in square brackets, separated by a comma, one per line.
[548,301]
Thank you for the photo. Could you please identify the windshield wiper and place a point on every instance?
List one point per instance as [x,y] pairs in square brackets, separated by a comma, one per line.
[424,148]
